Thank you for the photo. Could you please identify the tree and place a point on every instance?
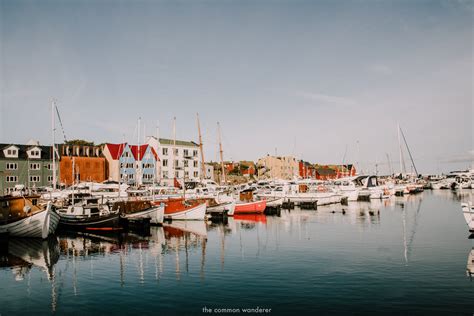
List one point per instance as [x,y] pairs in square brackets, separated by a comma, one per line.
[79,142]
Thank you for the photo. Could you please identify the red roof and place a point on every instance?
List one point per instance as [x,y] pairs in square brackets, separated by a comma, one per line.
[143,149]
[116,150]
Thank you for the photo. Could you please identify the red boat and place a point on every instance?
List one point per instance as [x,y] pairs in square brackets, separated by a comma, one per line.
[253,207]
[185,210]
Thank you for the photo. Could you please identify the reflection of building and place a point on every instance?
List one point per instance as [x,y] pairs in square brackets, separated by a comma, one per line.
[278,167]
[89,164]
[29,165]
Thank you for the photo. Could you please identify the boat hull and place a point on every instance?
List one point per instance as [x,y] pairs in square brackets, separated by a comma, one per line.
[155,213]
[250,207]
[39,225]
[77,223]
[197,212]
[468,212]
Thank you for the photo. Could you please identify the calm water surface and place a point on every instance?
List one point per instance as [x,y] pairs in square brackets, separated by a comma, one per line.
[406,255]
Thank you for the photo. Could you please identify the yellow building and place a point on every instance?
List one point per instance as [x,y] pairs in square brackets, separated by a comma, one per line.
[277,167]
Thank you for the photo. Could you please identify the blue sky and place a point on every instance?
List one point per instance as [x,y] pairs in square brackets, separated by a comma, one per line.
[304,78]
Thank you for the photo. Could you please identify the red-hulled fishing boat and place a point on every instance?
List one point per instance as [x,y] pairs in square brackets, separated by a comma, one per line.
[179,209]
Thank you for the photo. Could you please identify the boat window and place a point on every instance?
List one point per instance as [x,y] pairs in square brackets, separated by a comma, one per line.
[34,202]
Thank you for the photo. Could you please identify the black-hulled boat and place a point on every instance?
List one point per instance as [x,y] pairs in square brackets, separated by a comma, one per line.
[89,214]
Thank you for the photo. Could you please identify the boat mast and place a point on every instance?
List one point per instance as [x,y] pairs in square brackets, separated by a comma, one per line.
[389,164]
[53,106]
[173,150]
[221,153]
[203,166]
[138,165]
[73,178]
[409,152]
[402,162]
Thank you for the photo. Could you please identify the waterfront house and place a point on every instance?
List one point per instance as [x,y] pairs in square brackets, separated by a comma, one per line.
[147,163]
[29,165]
[89,163]
[179,160]
[277,167]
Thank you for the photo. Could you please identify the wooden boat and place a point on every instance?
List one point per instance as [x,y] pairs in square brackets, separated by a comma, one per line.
[468,212]
[21,216]
[140,209]
[179,209]
[88,214]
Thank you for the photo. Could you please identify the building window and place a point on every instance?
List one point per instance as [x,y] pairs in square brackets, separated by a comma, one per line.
[176,174]
[35,178]
[50,166]
[195,153]
[34,166]
[11,166]
[165,151]
[176,164]
[165,162]
[195,174]
[186,163]
[186,174]
[11,179]
[50,178]
[186,153]
[165,174]
[195,164]
[176,151]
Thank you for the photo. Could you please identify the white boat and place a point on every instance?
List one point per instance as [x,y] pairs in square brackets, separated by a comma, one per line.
[468,212]
[275,202]
[196,212]
[155,213]
[22,217]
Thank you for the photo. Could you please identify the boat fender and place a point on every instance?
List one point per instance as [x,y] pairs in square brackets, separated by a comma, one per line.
[27,209]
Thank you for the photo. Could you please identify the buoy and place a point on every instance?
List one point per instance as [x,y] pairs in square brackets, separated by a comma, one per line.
[343,211]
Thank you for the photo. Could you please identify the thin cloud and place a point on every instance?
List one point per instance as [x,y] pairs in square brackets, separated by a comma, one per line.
[381,69]
[328,99]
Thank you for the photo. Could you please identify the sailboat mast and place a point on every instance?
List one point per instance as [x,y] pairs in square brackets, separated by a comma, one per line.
[174,148]
[53,146]
[409,153]
[221,153]
[203,166]
[400,151]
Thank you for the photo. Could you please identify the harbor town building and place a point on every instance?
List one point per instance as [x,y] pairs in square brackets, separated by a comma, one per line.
[29,165]
[82,163]
[180,160]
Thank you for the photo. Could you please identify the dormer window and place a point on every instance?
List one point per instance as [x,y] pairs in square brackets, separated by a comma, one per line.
[34,153]
[11,152]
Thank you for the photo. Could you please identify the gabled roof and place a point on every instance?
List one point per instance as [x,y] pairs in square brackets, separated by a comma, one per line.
[116,150]
[22,151]
[143,149]
[165,141]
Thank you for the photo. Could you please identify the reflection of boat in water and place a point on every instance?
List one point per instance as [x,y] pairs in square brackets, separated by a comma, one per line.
[21,254]
[468,212]
[194,227]
[253,218]
[470,264]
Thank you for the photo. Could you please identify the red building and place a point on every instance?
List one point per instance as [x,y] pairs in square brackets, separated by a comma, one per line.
[328,172]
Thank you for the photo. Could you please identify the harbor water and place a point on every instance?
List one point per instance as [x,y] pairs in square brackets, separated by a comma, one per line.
[403,255]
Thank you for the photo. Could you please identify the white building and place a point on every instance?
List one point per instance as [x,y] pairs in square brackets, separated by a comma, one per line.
[186,157]
[209,171]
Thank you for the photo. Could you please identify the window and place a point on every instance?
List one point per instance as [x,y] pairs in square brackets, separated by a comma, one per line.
[165,151]
[176,174]
[50,178]
[176,151]
[176,164]
[165,162]
[11,179]
[35,178]
[186,163]
[34,166]
[195,164]
[186,174]
[11,166]
[49,166]
[165,174]
[195,153]
[185,153]
[195,174]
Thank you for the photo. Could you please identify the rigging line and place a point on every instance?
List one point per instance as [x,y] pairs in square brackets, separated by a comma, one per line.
[409,152]
[60,123]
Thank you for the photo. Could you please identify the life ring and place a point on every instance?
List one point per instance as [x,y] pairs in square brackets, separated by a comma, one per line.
[321,188]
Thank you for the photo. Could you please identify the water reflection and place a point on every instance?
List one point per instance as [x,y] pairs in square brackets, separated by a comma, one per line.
[470,264]
[22,254]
